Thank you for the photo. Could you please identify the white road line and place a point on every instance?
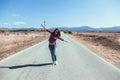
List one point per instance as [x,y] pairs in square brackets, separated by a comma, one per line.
[96,55]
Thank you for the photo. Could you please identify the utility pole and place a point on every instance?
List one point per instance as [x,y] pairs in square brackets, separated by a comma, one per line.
[44,22]
[44,30]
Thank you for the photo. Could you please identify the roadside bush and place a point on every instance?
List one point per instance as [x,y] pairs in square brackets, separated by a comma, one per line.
[68,32]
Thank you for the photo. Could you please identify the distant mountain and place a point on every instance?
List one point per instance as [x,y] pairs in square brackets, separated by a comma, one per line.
[81,28]
[3,28]
[115,28]
[87,28]
[22,29]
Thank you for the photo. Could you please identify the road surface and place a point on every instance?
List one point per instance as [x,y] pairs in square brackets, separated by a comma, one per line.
[75,62]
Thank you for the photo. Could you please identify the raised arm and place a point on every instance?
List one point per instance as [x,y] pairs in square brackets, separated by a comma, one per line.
[43,27]
[62,39]
[46,29]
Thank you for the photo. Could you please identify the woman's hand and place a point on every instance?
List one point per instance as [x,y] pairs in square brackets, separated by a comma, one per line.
[65,41]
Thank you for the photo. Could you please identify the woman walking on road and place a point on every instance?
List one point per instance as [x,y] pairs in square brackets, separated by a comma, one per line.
[52,42]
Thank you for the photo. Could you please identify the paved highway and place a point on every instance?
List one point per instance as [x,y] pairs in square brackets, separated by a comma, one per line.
[75,62]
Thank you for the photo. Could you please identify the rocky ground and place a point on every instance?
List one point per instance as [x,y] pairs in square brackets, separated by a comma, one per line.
[14,41]
[105,44]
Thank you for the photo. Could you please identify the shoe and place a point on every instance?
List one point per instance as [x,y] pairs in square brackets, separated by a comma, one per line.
[55,63]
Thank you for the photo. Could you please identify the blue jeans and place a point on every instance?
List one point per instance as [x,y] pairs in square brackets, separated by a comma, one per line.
[52,49]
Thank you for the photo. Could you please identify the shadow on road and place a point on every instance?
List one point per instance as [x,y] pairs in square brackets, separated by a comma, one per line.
[26,65]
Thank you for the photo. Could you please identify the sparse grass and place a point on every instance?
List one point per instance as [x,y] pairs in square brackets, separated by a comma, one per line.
[105,44]
[14,41]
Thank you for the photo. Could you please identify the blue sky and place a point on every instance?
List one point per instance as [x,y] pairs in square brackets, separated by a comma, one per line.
[59,13]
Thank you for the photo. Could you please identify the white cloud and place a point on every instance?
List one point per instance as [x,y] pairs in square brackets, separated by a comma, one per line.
[18,23]
[6,23]
[15,15]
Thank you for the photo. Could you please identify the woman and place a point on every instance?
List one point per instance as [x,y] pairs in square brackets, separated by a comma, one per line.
[52,42]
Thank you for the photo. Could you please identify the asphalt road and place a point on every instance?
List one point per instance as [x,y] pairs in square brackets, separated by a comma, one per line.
[75,62]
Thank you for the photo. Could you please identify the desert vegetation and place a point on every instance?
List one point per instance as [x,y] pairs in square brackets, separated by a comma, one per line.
[105,43]
[12,41]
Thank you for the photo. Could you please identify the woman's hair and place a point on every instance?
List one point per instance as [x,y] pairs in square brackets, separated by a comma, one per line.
[58,32]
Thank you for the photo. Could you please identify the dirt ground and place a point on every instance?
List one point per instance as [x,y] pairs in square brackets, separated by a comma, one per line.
[105,44]
[12,42]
